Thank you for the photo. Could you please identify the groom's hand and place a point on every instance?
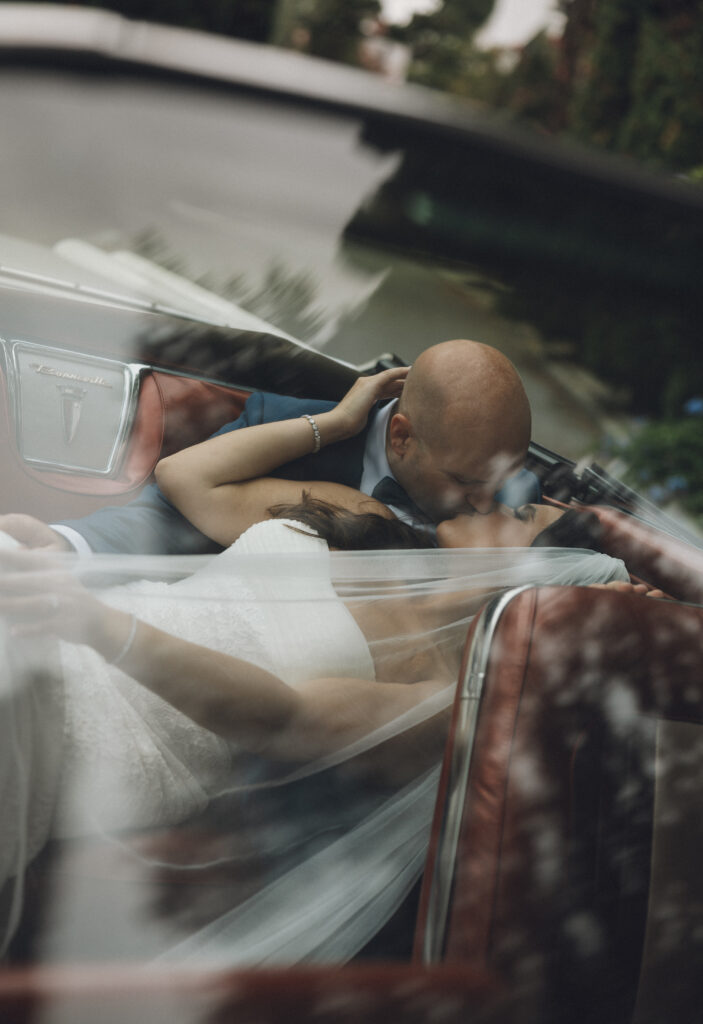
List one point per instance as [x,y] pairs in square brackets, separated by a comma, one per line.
[33,533]
[353,410]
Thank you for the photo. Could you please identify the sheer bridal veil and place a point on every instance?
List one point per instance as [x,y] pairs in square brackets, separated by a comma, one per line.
[181,847]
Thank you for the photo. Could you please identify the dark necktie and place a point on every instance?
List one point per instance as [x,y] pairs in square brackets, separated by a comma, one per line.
[389,492]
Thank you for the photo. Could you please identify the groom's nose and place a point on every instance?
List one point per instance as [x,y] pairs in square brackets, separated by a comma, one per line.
[481,501]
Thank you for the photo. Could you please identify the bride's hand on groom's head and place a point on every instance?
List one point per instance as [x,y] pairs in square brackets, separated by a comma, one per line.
[356,405]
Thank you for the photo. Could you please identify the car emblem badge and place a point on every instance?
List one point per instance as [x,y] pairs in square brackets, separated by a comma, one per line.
[71,399]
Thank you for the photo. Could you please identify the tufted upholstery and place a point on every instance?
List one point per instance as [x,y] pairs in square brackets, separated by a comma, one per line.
[556,830]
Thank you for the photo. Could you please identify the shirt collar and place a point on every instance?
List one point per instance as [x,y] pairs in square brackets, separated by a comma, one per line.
[375,460]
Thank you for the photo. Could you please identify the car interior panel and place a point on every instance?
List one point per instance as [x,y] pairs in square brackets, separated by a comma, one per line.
[256,197]
[526,869]
[552,783]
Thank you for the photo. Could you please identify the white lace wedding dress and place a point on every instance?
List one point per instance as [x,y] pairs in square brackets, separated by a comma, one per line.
[132,760]
[93,752]
[90,751]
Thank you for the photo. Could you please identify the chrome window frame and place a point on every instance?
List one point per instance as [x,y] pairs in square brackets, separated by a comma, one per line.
[469,695]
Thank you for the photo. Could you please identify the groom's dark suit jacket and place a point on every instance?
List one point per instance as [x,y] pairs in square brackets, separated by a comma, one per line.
[151,525]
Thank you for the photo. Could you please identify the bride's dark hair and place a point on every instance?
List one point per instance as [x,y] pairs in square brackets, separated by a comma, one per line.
[369,531]
[352,531]
[577,528]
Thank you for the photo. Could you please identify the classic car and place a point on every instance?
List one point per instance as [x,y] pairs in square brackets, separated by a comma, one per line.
[179,211]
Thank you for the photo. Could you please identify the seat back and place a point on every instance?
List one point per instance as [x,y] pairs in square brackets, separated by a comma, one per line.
[539,865]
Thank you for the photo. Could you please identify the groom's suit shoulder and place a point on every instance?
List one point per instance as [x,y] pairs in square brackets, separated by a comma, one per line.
[266,407]
[341,463]
[151,524]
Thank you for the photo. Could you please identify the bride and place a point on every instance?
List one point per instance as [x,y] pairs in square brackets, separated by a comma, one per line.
[140,705]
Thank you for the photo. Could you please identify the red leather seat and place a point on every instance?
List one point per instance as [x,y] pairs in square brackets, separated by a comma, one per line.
[321,995]
[539,862]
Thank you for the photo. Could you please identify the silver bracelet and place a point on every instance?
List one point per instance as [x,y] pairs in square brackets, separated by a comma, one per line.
[315,432]
[127,646]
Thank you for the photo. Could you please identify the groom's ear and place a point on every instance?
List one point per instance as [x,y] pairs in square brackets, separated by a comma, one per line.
[399,434]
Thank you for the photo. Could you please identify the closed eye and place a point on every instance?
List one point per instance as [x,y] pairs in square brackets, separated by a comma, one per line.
[465,483]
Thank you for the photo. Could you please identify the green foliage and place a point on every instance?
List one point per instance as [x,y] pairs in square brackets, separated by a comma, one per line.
[334,26]
[664,121]
[626,76]
[458,18]
[443,54]
[532,90]
[665,462]
[601,97]
[635,78]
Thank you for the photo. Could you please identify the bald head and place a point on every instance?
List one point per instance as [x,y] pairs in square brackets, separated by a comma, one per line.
[463,407]
[464,385]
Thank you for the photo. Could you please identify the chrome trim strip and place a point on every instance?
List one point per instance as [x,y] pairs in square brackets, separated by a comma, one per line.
[70,289]
[131,374]
[103,294]
[470,692]
[134,304]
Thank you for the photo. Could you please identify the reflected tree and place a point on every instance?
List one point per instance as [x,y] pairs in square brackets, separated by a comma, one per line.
[285,297]
[333,28]
[441,43]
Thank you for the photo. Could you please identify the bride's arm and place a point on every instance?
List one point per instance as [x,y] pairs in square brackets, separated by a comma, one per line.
[225,512]
[227,695]
[217,485]
[256,709]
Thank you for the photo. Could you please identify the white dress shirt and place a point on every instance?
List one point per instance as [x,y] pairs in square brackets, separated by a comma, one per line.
[74,538]
[375,462]
[376,466]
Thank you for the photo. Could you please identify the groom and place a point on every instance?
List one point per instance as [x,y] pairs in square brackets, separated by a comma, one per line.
[458,432]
